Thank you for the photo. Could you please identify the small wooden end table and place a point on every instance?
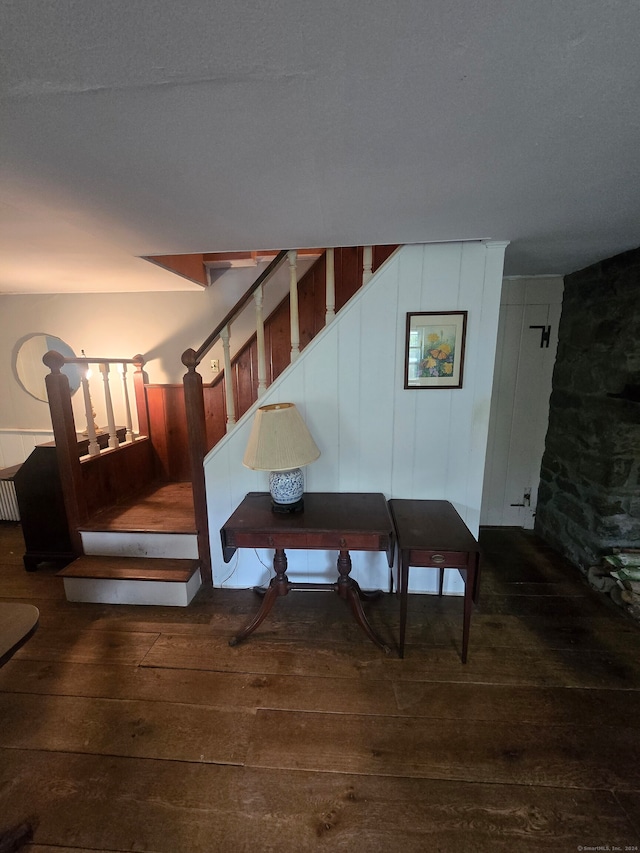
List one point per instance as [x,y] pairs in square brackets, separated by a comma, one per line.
[329,521]
[432,534]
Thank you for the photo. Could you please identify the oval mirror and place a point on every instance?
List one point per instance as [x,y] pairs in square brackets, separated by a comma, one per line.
[31,371]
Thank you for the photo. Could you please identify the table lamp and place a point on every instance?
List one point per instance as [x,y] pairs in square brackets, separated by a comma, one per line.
[281,444]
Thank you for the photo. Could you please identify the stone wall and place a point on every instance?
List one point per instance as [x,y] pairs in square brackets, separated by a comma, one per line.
[589,497]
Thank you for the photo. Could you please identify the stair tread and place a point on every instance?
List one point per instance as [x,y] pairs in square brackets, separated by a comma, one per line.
[173,531]
[131,568]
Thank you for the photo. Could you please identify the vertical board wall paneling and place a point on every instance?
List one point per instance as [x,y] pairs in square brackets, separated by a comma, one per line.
[321,412]
[436,432]
[369,415]
[484,352]
[348,397]
[409,275]
[506,367]
[16,446]
[376,376]
[486,346]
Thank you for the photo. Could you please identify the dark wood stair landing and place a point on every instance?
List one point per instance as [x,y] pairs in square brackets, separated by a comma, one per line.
[160,508]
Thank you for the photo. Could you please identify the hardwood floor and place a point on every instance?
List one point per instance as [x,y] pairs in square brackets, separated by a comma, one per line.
[138,728]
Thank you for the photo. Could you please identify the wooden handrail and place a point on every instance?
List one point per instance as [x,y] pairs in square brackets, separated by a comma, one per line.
[237,308]
[96,360]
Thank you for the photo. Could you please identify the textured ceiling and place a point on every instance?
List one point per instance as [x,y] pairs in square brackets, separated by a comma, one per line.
[154,127]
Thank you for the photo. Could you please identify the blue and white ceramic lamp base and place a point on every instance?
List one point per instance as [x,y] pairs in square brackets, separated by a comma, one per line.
[287,489]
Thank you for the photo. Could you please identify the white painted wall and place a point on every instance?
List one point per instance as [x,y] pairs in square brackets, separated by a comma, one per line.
[159,325]
[373,434]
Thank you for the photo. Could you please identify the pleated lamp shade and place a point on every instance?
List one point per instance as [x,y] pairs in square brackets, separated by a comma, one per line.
[279,440]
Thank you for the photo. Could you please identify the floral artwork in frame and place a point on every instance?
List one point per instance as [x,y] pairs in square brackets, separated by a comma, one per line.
[434,356]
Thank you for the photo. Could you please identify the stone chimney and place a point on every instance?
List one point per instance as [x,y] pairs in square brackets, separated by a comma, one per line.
[589,496]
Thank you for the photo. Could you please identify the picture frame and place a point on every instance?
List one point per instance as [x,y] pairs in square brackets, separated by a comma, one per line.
[434,349]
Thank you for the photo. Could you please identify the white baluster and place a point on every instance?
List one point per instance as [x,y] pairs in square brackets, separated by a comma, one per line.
[367,263]
[94,448]
[111,422]
[228,378]
[293,305]
[127,407]
[262,364]
[330,287]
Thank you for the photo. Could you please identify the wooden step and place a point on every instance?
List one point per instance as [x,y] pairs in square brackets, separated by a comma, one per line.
[132,580]
[131,568]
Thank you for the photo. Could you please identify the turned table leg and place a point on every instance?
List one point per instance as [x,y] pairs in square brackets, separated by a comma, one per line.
[350,591]
[279,586]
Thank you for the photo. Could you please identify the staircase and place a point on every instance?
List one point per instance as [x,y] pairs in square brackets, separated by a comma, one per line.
[142,551]
[152,547]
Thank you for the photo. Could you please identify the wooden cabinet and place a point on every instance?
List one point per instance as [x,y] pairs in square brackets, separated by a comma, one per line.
[42,511]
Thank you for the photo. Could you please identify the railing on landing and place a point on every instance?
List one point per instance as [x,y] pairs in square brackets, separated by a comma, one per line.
[103,475]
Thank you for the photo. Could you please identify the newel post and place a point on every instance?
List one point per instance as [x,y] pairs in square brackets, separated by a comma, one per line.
[197,436]
[142,409]
[66,440]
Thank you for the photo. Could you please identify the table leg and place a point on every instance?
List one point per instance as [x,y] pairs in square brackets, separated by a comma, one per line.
[365,594]
[476,583]
[278,586]
[469,593]
[350,591]
[403,588]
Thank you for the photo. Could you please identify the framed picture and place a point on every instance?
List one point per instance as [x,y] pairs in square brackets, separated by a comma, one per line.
[434,356]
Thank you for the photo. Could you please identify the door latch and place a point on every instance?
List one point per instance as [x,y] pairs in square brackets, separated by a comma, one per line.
[526,499]
[544,336]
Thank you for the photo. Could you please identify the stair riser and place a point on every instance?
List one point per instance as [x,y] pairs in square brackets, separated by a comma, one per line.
[119,544]
[99,591]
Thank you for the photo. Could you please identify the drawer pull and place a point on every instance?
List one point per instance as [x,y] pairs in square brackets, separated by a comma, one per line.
[437,558]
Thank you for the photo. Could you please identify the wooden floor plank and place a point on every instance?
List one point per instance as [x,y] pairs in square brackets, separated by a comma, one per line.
[558,607]
[214,689]
[171,731]
[493,583]
[87,647]
[567,756]
[440,700]
[541,633]
[260,655]
[630,802]
[118,804]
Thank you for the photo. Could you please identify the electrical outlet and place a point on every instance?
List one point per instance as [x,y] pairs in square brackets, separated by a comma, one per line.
[215,365]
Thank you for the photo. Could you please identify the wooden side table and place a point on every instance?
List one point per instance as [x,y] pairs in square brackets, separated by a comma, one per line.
[330,521]
[432,534]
